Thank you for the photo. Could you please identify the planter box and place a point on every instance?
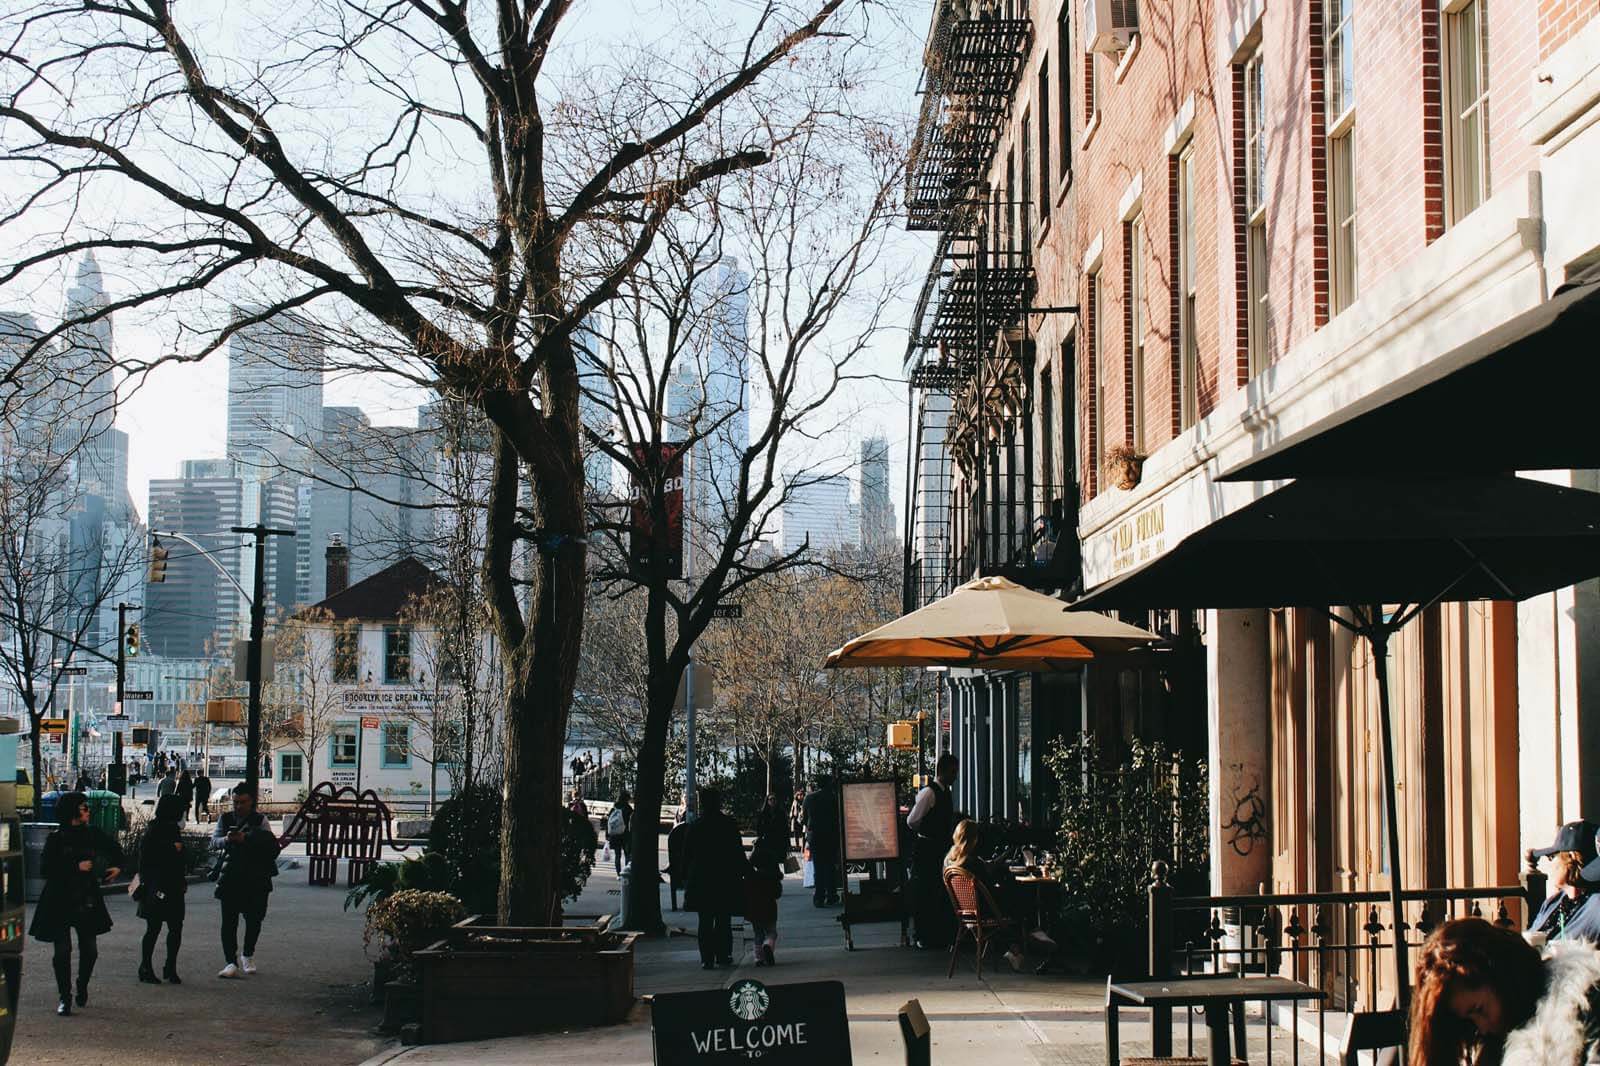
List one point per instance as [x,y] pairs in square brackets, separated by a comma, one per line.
[484,980]
[400,1002]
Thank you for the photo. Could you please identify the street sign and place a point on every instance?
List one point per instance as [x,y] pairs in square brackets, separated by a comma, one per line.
[52,725]
[728,610]
[74,671]
[119,725]
[779,1024]
[117,718]
[369,723]
[138,694]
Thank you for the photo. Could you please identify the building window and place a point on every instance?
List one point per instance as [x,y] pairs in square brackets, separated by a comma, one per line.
[1091,88]
[1026,207]
[1255,186]
[1011,205]
[1342,216]
[1044,139]
[1097,431]
[1134,235]
[1187,343]
[396,655]
[1340,86]
[347,652]
[342,746]
[1070,446]
[1047,439]
[1467,68]
[291,768]
[396,745]
[1064,89]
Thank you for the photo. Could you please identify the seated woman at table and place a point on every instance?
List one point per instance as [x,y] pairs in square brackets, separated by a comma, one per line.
[1484,995]
[964,853]
[1569,910]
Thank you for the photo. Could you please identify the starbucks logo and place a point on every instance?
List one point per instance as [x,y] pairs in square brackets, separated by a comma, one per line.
[749,1000]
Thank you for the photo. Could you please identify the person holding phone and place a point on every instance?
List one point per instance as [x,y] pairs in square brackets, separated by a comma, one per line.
[249,863]
[77,858]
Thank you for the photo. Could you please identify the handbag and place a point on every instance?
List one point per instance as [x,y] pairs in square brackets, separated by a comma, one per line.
[136,888]
[791,865]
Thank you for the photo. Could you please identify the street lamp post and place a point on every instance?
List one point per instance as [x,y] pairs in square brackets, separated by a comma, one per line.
[258,624]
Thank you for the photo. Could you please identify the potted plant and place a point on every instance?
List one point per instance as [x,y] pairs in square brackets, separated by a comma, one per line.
[1124,466]
[401,924]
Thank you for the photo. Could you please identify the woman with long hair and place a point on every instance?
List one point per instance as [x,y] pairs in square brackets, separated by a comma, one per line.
[964,853]
[1484,995]
[77,858]
[162,885]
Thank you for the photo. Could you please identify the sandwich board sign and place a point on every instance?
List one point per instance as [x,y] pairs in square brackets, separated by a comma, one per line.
[776,1025]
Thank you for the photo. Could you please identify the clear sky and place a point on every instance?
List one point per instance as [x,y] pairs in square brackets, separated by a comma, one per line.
[180,411]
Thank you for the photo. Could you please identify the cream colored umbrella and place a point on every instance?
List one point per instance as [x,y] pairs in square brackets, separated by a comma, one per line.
[992,623]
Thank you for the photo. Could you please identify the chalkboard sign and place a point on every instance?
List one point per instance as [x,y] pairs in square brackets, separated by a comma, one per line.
[871,821]
[777,1024]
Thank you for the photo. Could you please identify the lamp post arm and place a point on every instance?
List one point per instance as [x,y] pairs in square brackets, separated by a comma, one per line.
[207,554]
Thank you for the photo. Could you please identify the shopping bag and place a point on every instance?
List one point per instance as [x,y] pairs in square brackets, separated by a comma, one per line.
[810,879]
[791,865]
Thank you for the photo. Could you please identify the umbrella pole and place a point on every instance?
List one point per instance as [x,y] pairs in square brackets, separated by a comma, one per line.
[1378,637]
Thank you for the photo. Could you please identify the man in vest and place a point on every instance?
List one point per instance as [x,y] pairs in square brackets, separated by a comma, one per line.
[933,821]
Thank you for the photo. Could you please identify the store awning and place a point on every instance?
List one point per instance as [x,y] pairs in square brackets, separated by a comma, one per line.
[991,623]
[1519,397]
[1341,541]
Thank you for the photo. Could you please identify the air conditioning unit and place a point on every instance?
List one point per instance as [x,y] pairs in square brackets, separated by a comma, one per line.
[1109,25]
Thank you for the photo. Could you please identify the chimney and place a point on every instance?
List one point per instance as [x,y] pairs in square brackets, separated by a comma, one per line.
[338,557]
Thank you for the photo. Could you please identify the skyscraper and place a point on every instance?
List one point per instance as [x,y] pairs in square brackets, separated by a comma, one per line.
[818,512]
[593,409]
[877,512]
[196,611]
[708,398]
[274,392]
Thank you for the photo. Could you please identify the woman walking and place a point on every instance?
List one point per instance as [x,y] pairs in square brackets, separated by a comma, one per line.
[764,883]
[162,884]
[797,819]
[77,858]
[618,822]
[185,792]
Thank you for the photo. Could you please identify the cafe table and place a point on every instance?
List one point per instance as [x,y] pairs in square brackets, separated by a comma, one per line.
[1215,995]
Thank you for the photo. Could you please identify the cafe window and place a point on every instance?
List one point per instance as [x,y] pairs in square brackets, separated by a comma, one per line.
[342,745]
[291,768]
[396,745]
[396,655]
[347,653]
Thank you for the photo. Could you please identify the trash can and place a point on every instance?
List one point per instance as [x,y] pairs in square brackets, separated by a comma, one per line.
[47,807]
[34,834]
[105,811]
[625,876]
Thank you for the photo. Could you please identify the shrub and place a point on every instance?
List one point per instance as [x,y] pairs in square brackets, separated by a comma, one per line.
[407,921]
[1120,810]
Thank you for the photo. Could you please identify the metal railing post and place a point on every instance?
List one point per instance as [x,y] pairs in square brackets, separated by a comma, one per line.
[1160,955]
[1534,888]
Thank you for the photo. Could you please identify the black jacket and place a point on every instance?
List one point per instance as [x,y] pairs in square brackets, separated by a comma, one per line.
[249,866]
[163,872]
[71,898]
[714,853]
[822,824]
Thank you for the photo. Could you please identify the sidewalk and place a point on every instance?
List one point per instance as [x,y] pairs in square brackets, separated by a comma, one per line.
[1006,1017]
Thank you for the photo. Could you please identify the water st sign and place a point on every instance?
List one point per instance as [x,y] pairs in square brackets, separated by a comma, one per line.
[728,610]
[778,1025]
[138,694]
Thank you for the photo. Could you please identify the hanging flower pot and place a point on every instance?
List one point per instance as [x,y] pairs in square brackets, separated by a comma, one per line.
[1124,467]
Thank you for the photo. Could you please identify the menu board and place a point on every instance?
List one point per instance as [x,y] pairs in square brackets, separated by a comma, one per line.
[871,821]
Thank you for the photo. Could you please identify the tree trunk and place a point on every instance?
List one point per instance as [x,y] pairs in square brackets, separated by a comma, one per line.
[38,765]
[644,843]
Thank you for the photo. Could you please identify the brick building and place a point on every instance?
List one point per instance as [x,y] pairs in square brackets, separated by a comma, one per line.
[1179,237]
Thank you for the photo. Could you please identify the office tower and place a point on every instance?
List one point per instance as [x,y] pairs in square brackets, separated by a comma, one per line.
[819,512]
[708,398]
[877,513]
[274,392]
[196,612]
[594,408]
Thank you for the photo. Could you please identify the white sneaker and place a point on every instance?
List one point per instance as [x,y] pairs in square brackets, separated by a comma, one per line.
[229,970]
[247,964]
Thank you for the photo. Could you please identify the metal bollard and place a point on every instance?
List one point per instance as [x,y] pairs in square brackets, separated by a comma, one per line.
[625,877]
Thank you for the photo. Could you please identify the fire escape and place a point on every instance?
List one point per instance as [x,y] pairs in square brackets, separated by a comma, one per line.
[971,507]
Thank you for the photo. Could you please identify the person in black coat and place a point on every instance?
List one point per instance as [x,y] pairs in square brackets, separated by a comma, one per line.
[163,868]
[249,863]
[822,841]
[202,796]
[77,858]
[713,851]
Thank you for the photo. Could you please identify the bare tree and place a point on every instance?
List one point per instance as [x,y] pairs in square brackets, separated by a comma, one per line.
[301,702]
[764,308]
[291,165]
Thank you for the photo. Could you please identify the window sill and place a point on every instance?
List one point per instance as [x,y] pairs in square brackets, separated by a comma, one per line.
[1089,131]
[1126,61]
[1041,231]
[1064,188]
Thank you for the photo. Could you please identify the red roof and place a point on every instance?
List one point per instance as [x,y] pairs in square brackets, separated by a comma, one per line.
[383,596]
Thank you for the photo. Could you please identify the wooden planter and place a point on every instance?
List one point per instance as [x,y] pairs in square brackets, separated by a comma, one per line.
[484,980]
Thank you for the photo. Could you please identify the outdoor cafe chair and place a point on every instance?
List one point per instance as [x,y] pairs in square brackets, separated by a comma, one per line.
[977,914]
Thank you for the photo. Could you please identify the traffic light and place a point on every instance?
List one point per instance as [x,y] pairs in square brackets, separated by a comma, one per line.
[133,640]
[158,563]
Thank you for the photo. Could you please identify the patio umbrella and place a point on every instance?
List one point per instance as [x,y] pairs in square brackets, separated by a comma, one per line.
[1360,542]
[991,623]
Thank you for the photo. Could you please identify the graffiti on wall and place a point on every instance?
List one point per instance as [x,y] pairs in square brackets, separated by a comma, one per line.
[1247,826]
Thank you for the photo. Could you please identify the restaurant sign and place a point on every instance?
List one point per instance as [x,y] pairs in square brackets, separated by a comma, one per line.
[377,699]
[775,1024]
[1146,533]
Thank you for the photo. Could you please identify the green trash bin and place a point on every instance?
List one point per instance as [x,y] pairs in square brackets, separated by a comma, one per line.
[105,811]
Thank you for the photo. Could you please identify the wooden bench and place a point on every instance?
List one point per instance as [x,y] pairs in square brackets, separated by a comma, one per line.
[340,823]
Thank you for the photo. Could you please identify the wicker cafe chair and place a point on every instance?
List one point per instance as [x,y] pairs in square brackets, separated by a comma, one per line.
[977,914]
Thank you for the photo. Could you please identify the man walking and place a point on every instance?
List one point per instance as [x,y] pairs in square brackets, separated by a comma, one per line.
[202,796]
[822,841]
[168,785]
[932,820]
[249,863]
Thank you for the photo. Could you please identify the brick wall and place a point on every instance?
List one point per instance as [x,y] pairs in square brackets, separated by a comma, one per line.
[1559,20]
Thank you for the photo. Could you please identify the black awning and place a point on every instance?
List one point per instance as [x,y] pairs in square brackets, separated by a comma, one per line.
[1325,542]
[1520,397]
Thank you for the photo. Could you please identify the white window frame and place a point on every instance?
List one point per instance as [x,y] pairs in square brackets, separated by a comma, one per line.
[1343,271]
[1097,332]
[1189,346]
[1256,264]
[1466,107]
[1136,323]
[1339,55]
[341,731]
